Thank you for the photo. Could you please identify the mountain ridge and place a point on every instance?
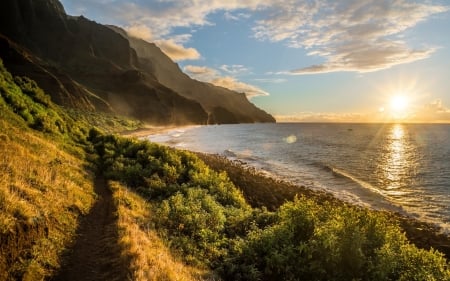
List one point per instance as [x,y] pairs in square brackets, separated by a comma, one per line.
[90,66]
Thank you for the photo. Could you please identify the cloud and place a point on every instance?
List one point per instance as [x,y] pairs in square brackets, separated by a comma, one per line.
[352,35]
[215,77]
[177,52]
[240,87]
[322,117]
[139,31]
[234,69]
[270,80]
[201,73]
[434,111]
[236,17]
[173,48]
[380,55]
[162,16]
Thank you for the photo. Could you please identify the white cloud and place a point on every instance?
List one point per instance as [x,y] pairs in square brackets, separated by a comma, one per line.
[177,52]
[350,35]
[173,48]
[270,80]
[162,16]
[139,31]
[213,76]
[234,69]
[240,87]
[201,73]
[236,17]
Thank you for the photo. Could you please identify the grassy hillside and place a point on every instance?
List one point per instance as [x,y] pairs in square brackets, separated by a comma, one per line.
[176,218]
[44,183]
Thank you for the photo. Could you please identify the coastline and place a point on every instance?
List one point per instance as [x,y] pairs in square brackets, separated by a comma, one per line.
[263,191]
[149,130]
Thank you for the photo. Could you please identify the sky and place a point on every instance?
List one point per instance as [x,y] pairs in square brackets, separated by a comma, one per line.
[304,60]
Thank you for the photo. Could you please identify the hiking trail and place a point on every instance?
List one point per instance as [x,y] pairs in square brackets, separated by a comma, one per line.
[96,254]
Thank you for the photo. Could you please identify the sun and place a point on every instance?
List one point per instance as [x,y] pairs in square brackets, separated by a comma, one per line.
[399,104]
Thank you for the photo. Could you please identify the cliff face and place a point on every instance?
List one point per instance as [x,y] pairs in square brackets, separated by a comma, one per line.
[86,65]
[213,98]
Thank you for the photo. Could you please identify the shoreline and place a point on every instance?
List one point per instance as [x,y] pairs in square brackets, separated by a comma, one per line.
[147,130]
[263,191]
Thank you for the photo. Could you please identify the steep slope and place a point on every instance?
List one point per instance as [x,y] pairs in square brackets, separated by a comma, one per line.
[223,105]
[65,91]
[92,63]
[40,163]
[86,65]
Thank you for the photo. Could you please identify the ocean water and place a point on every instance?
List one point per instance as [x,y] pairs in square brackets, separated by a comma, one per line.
[398,167]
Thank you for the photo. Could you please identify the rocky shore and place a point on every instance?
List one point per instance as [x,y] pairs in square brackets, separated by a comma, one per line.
[263,191]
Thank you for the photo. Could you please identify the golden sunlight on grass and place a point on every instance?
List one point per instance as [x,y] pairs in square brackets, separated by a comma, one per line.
[41,196]
[150,258]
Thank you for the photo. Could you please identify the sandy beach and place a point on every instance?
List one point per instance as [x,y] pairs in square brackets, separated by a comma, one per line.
[147,130]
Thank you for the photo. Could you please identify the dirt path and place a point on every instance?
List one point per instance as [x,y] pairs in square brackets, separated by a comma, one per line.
[96,253]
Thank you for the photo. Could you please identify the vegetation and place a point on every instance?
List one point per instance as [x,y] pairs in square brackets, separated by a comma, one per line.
[105,122]
[204,218]
[46,180]
[44,187]
[171,204]
[150,257]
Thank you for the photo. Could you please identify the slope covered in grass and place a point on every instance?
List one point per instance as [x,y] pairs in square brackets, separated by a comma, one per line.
[44,183]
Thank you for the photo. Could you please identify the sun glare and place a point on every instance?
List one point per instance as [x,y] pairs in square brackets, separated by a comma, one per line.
[399,104]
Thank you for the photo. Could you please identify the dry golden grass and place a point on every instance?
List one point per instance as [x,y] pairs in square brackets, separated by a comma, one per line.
[43,190]
[150,258]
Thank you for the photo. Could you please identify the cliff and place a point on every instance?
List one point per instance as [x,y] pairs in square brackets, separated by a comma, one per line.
[86,65]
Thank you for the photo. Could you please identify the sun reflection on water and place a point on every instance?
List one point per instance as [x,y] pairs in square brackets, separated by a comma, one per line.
[398,161]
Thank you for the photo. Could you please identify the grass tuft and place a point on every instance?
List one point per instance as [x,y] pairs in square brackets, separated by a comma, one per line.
[150,257]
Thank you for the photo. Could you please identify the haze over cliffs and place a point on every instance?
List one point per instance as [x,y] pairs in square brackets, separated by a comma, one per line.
[89,66]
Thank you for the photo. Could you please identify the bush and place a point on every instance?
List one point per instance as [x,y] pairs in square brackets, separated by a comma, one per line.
[30,102]
[31,89]
[205,218]
[314,242]
[195,224]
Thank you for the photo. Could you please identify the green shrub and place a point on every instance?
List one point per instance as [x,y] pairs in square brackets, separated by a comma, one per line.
[324,242]
[31,89]
[28,101]
[205,218]
[195,224]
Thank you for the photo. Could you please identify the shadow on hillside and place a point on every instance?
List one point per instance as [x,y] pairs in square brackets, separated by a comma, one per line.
[96,254]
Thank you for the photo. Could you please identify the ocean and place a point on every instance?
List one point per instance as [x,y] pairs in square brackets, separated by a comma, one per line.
[397,167]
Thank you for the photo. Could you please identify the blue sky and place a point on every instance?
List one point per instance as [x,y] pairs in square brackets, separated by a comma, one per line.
[310,60]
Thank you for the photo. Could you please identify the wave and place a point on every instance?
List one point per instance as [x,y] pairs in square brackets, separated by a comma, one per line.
[229,153]
[342,174]
[363,190]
